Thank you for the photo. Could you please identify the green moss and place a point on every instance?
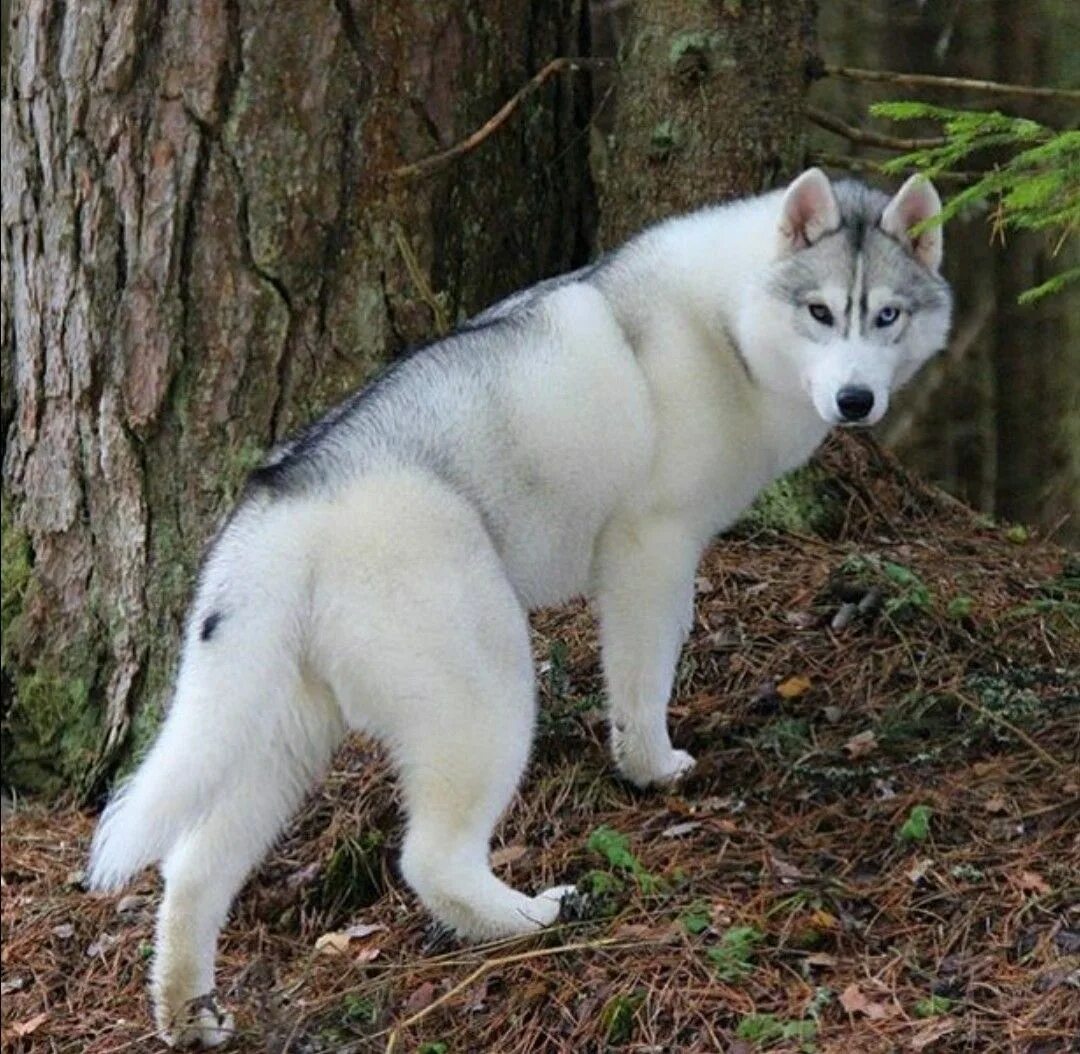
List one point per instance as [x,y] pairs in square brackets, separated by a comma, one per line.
[51,736]
[16,569]
[802,502]
[665,138]
[684,45]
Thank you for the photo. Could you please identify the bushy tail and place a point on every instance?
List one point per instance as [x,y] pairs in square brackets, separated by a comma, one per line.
[235,721]
[168,795]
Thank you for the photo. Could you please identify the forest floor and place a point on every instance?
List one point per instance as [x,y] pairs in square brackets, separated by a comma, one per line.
[878,851]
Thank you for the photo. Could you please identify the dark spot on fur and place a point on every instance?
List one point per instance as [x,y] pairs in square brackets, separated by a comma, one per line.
[210,625]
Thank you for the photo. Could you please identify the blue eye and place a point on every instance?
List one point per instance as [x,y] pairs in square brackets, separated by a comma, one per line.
[886,317]
[820,313]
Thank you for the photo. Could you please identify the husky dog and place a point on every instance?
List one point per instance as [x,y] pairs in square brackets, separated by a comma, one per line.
[589,435]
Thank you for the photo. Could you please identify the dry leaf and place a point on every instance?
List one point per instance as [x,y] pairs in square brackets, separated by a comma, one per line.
[793,687]
[421,998]
[337,943]
[332,944]
[852,999]
[854,1002]
[785,870]
[995,804]
[105,943]
[918,871]
[24,1028]
[862,744]
[1033,882]
[932,1032]
[823,920]
[507,855]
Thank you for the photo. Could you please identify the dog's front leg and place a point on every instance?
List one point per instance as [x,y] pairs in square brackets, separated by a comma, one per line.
[645,597]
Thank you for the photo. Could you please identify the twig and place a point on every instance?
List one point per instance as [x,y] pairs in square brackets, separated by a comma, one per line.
[927,80]
[1007,724]
[416,273]
[832,123]
[867,164]
[483,968]
[471,142]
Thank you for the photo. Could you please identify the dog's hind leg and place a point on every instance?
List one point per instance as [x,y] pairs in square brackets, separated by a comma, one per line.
[462,714]
[206,867]
[425,644]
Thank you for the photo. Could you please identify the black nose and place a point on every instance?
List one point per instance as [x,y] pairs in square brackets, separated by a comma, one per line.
[855,403]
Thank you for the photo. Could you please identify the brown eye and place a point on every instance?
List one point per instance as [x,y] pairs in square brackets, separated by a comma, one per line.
[820,313]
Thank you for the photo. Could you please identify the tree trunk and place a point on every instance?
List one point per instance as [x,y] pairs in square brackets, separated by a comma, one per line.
[203,247]
[709,105]
[1036,369]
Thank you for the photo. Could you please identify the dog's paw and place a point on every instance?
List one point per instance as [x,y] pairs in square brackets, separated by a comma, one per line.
[201,1024]
[547,906]
[657,772]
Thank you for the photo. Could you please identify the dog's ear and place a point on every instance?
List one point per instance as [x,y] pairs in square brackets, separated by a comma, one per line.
[808,211]
[915,202]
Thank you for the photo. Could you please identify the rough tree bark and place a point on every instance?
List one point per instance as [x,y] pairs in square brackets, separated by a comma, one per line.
[708,106]
[201,249]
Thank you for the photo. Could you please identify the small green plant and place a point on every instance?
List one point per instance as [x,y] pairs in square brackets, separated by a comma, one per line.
[696,918]
[767,1030]
[558,677]
[960,608]
[734,954]
[614,847]
[617,1017]
[785,737]
[933,1006]
[357,1010]
[1018,534]
[823,996]
[352,878]
[916,828]
[966,873]
[913,595]
[434,1047]
[1036,186]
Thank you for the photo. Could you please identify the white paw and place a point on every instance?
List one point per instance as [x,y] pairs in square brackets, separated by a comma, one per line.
[547,905]
[203,1024]
[652,771]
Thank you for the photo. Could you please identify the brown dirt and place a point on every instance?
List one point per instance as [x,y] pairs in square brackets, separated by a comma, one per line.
[784,898]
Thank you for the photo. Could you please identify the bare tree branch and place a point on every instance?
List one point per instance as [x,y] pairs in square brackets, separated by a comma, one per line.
[867,164]
[866,137]
[927,80]
[471,142]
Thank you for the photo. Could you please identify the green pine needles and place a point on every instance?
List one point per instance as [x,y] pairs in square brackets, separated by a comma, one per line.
[1037,188]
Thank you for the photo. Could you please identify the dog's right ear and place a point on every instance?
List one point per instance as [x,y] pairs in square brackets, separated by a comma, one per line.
[808,211]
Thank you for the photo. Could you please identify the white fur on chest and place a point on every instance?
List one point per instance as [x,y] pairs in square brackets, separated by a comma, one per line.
[721,438]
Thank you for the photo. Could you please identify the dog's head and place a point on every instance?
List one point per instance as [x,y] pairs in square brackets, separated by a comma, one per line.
[853,303]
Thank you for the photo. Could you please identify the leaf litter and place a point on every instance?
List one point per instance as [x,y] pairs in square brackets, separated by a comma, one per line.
[784,910]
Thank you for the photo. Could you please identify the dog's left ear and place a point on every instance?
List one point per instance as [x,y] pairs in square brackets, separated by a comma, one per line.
[916,201]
